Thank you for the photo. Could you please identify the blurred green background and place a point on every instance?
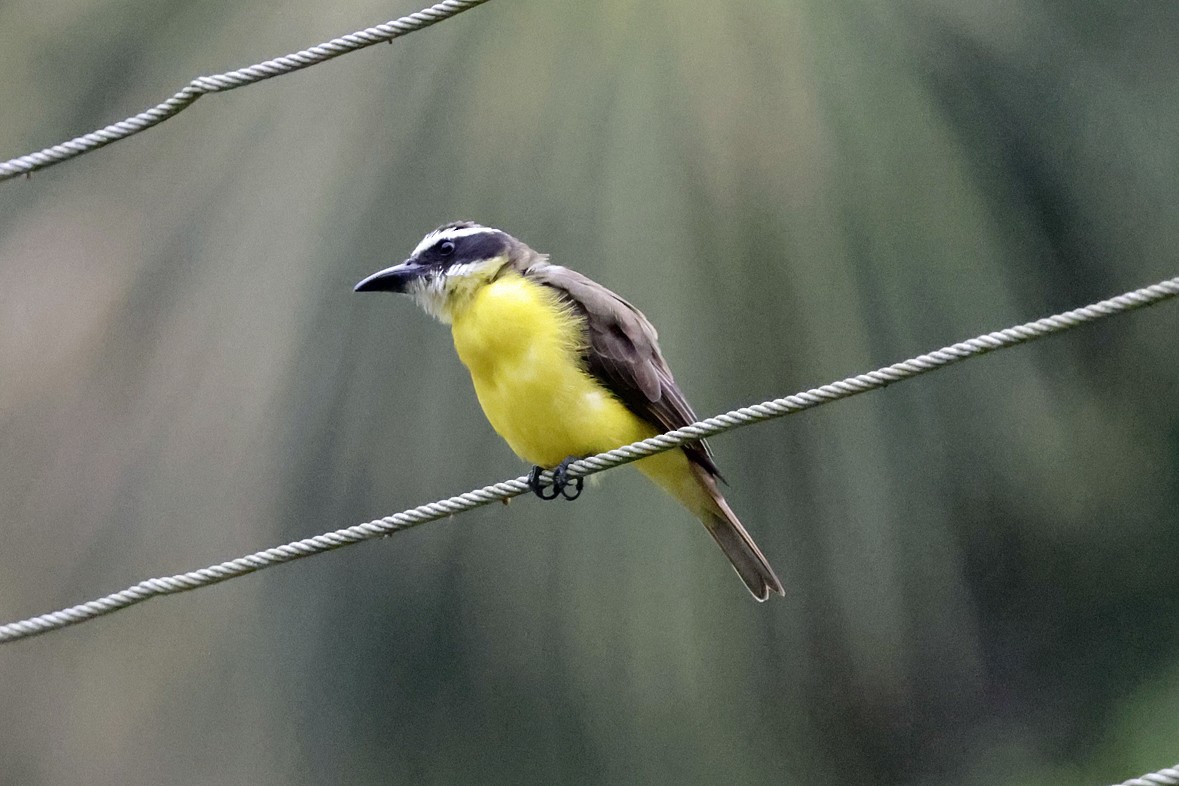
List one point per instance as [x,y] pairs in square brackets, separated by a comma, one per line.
[980,563]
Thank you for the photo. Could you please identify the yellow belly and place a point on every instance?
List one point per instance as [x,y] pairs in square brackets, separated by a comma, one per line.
[523,351]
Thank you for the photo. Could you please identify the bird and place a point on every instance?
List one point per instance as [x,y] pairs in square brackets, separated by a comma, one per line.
[564,368]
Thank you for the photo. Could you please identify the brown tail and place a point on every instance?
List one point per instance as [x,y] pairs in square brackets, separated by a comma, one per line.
[696,490]
[750,564]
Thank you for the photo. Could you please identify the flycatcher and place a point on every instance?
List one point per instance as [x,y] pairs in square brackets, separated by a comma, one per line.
[565,368]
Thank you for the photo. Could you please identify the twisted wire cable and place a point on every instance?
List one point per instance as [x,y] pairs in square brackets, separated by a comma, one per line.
[1168,776]
[955,353]
[198,87]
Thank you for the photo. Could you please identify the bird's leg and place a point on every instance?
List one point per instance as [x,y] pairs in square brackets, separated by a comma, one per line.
[563,485]
[537,487]
[569,488]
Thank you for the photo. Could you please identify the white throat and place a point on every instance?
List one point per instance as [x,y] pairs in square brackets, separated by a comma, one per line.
[443,293]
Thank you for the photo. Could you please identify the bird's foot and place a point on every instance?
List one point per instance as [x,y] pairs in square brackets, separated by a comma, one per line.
[563,485]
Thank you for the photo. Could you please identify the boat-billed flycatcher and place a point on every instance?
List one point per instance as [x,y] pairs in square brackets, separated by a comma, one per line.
[565,368]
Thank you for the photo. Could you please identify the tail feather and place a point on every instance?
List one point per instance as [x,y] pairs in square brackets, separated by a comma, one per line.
[695,488]
[746,558]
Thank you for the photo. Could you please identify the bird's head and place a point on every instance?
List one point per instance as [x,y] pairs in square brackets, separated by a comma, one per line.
[449,266]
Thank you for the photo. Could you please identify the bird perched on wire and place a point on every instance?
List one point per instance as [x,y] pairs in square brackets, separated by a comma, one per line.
[564,368]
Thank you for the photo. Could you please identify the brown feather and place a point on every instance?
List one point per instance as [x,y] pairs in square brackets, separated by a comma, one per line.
[622,352]
[744,555]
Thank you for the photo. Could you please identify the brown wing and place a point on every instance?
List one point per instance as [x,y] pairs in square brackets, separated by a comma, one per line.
[622,352]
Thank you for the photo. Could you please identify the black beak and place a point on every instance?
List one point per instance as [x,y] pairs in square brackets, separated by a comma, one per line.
[392,279]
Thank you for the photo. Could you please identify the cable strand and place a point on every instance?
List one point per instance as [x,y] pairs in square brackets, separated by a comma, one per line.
[504,490]
[202,85]
[1169,776]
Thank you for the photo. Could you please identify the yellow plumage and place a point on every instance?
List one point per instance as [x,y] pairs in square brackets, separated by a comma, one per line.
[530,333]
[522,347]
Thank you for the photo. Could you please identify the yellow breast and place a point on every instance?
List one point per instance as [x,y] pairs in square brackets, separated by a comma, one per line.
[523,349]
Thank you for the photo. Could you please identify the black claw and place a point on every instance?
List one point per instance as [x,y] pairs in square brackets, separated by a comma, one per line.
[570,488]
[563,485]
[538,488]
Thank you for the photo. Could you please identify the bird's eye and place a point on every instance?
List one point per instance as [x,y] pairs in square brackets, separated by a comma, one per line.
[446,248]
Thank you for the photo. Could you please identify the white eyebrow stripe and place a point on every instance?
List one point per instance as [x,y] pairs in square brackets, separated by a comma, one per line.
[453,233]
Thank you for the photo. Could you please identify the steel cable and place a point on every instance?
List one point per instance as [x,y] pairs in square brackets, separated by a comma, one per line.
[217,83]
[708,427]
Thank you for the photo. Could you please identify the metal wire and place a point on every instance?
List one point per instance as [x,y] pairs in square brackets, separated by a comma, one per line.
[1164,777]
[228,81]
[767,410]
